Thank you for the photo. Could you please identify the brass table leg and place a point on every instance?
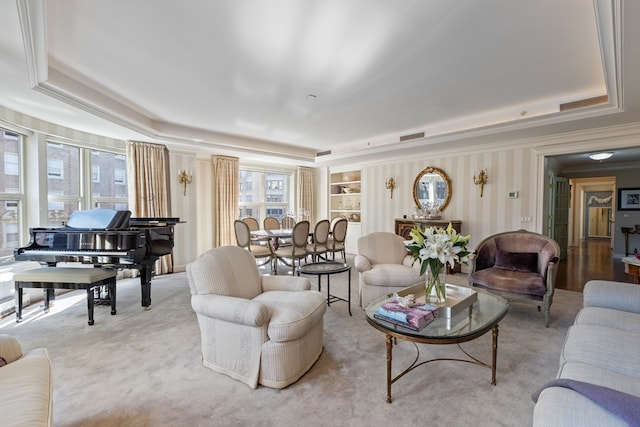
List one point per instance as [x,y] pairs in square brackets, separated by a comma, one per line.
[389,380]
[494,355]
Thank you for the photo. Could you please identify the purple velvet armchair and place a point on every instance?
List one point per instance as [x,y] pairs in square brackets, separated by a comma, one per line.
[518,265]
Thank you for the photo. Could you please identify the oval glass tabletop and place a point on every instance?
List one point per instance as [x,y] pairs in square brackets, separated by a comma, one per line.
[485,313]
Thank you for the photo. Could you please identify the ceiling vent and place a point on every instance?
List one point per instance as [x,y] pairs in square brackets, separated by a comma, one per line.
[412,136]
[584,103]
[323,153]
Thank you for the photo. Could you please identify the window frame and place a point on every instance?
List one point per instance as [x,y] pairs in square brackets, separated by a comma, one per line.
[263,204]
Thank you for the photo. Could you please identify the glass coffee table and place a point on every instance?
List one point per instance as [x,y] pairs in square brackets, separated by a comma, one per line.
[481,317]
[328,268]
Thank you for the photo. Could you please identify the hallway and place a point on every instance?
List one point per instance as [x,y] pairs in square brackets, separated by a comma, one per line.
[590,261]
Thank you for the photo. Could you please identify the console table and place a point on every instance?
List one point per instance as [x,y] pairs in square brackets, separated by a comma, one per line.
[626,231]
[405,225]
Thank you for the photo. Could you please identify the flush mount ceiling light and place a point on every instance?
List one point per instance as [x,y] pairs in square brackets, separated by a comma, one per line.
[600,156]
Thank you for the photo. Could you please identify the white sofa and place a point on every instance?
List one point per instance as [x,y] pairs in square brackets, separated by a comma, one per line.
[26,392]
[601,358]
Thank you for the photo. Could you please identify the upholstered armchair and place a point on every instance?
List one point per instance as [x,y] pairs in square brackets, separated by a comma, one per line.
[257,329]
[518,265]
[384,266]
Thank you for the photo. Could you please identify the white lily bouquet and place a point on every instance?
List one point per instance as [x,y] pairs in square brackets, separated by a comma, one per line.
[435,247]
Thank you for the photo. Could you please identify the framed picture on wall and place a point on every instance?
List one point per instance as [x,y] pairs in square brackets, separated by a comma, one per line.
[629,199]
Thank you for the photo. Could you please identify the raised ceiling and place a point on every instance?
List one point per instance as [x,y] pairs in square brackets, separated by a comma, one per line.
[293,78]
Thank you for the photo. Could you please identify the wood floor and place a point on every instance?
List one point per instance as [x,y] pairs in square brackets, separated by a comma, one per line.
[593,259]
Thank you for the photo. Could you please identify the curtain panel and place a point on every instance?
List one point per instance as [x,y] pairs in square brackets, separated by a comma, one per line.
[304,195]
[226,172]
[148,182]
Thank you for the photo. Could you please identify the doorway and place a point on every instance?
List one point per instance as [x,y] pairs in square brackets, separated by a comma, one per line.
[598,211]
[592,215]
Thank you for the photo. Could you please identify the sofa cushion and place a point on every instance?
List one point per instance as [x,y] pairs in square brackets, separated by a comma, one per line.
[609,317]
[517,261]
[293,314]
[396,275]
[561,407]
[517,282]
[26,391]
[581,371]
[609,348]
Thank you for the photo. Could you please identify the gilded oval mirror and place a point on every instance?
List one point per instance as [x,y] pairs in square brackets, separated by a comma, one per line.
[432,187]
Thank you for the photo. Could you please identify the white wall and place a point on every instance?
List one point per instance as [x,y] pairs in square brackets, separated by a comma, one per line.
[507,169]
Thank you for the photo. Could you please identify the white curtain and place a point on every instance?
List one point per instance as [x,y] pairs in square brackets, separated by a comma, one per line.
[304,196]
[226,172]
[148,181]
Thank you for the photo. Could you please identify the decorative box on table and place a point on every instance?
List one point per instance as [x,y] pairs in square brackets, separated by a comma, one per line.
[458,299]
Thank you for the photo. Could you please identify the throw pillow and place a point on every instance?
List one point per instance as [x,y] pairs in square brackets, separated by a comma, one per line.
[517,261]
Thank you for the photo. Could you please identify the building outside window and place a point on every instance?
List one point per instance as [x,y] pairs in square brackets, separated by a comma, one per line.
[70,189]
[264,193]
[11,194]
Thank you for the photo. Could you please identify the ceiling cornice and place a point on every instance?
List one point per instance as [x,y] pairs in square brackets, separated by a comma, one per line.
[50,80]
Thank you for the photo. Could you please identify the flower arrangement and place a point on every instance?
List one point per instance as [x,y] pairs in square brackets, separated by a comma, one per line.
[434,248]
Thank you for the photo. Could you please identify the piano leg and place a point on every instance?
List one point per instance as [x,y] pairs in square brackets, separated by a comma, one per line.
[90,304]
[18,304]
[146,271]
[49,295]
[112,297]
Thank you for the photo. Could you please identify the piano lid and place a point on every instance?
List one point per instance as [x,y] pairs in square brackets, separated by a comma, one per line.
[99,218]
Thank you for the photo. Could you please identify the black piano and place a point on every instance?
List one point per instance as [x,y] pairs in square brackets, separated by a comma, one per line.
[105,238]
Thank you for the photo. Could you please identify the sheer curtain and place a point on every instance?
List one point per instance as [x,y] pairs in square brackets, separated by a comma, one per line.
[304,196]
[148,181]
[225,195]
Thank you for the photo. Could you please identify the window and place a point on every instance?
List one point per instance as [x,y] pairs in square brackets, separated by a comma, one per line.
[119,176]
[54,168]
[11,165]
[104,187]
[262,194]
[11,196]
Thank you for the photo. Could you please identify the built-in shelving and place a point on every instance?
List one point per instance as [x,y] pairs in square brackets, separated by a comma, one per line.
[344,194]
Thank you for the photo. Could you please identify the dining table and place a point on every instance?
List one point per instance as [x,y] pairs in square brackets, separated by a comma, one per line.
[272,236]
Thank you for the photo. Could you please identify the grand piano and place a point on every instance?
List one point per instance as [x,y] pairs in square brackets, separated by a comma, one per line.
[105,238]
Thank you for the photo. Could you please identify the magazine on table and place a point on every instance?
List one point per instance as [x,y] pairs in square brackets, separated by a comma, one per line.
[414,316]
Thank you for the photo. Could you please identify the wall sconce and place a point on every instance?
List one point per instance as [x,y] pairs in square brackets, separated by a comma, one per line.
[185,178]
[390,184]
[481,180]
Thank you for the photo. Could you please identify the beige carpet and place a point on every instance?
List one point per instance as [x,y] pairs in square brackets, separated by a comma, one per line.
[143,368]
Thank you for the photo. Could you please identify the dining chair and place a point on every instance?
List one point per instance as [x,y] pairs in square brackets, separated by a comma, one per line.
[271,223]
[318,248]
[334,220]
[252,223]
[336,240]
[287,222]
[297,250]
[262,253]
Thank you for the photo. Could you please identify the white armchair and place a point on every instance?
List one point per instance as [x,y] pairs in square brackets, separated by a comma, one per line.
[257,329]
[384,266]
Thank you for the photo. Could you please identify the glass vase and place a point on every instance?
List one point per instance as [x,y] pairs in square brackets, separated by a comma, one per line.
[435,282]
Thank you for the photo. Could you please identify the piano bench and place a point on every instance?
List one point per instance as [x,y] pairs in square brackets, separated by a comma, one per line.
[51,278]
